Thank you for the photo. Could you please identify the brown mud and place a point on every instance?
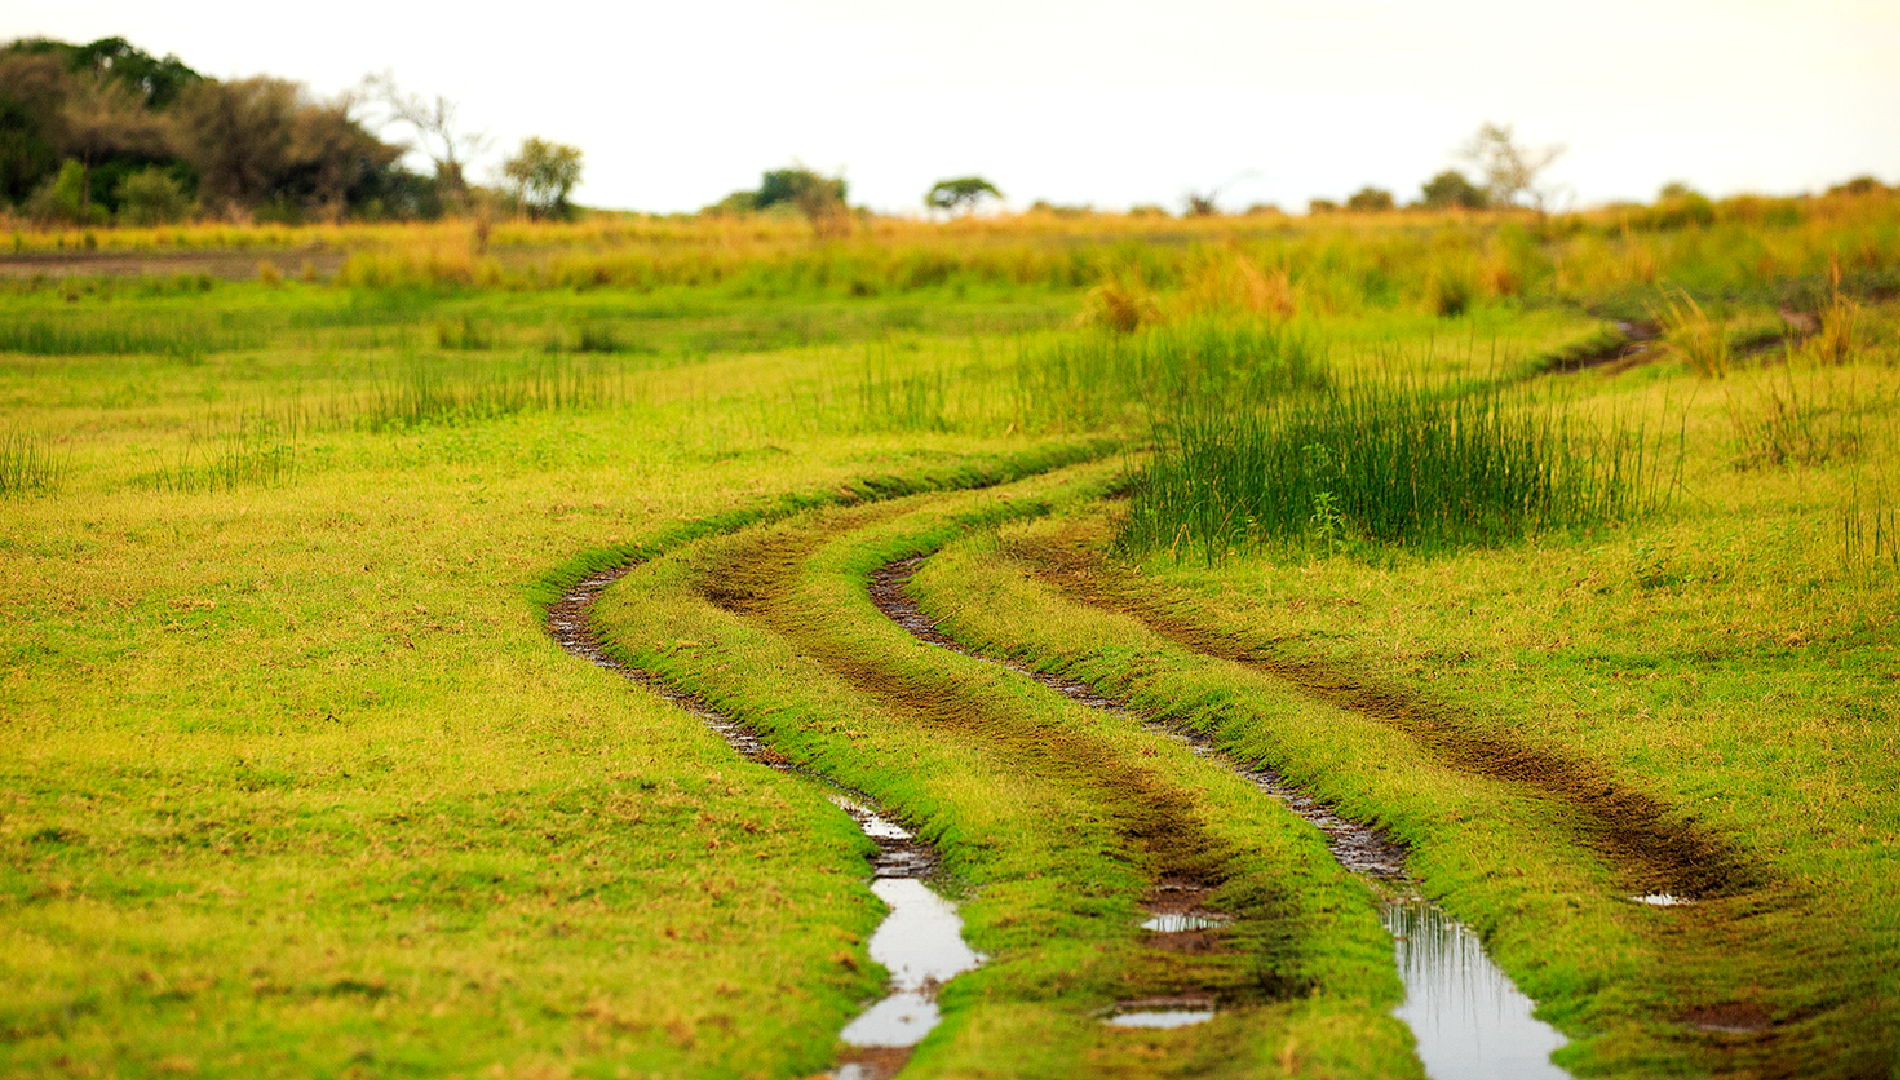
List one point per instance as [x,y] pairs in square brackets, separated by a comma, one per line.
[1360,848]
[226,264]
[899,853]
[1158,821]
[1775,1027]
[1654,848]
[1639,342]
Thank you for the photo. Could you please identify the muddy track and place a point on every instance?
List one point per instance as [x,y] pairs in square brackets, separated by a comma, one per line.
[1656,849]
[1359,848]
[1160,824]
[899,854]
[1640,342]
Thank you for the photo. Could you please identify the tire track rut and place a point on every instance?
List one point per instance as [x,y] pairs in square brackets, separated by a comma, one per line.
[1656,849]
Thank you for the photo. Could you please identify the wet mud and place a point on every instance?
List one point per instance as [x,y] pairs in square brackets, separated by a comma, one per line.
[1469,1020]
[1713,901]
[1637,343]
[1656,850]
[920,942]
[1158,821]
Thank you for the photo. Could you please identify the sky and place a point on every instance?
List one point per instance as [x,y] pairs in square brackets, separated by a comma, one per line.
[1110,103]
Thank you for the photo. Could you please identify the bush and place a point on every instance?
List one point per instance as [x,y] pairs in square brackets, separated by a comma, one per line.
[152,197]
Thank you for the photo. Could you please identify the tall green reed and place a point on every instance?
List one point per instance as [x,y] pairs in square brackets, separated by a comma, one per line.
[1385,464]
[27,467]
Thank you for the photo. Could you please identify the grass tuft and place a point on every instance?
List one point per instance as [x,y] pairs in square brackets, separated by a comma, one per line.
[1383,463]
[27,467]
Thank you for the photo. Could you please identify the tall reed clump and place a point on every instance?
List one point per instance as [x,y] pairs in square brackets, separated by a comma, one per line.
[1394,464]
[27,467]
[259,451]
[1103,379]
[424,393]
[1690,333]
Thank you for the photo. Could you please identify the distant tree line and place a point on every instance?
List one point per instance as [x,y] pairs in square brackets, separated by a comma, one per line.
[106,132]
[820,198]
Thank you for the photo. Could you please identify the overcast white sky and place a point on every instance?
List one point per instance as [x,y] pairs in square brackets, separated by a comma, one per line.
[1111,103]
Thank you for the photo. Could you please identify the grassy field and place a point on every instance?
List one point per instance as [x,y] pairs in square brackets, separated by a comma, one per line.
[294,781]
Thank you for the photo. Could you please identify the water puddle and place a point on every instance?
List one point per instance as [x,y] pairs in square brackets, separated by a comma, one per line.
[1467,1017]
[1470,1021]
[920,942]
[1169,922]
[1661,900]
[1173,1012]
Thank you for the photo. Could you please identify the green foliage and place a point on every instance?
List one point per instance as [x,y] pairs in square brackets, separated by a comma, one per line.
[1450,190]
[27,467]
[544,174]
[1100,379]
[63,198]
[152,196]
[1382,463]
[1369,198]
[960,192]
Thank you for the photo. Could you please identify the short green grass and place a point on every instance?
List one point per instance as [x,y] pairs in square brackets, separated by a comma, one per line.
[293,782]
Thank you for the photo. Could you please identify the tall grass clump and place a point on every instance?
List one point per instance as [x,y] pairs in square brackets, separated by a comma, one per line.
[108,334]
[1383,464]
[423,393]
[27,467]
[1689,332]
[259,451]
[1102,378]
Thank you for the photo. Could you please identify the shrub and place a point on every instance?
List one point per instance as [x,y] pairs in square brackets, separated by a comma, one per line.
[152,197]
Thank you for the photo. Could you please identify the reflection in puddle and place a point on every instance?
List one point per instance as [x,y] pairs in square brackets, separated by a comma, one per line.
[921,943]
[1172,1018]
[1470,1022]
[1662,900]
[1181,922]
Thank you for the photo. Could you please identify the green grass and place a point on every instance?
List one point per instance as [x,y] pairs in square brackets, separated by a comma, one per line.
[27,466]
[292,781]
[1386,463]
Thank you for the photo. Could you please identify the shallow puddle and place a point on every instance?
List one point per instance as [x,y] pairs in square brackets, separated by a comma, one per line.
[1469,1020]
[1662,900]
[1471,1023]
[920,942]
[1161,1018]
[1169,922]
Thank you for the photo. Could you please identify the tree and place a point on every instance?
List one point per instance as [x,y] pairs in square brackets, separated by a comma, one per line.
[438,127]
[1369,198]
[237,135]
[262,140]
[959,193]
[33,89]
[158,83]
[1451,189]
[102,118]
[544,174]
[820,198]
[1510,171]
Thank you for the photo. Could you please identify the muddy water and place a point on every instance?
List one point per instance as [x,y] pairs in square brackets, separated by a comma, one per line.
[920,942]
[1468,1019]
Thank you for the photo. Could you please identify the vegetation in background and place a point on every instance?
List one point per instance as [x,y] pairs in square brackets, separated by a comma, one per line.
[296,784]
[544,174]
[960,193]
